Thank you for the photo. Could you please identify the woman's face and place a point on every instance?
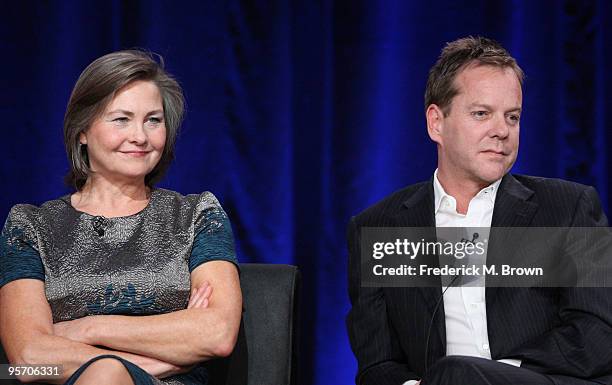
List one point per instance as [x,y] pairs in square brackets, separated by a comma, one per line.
[127,140]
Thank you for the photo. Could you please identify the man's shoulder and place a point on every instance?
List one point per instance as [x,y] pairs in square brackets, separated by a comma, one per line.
[390,205]
[556,202]
[552,188]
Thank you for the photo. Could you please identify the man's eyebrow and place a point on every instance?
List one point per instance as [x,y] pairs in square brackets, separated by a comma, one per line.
[488,107]
[480,105]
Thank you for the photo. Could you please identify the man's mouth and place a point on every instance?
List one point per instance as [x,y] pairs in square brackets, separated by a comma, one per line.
[495,152]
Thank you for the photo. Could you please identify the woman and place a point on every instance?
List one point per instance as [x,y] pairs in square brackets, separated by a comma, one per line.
[115,281]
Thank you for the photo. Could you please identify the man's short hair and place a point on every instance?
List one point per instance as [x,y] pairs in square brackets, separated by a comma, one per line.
[455,56]
[95,89]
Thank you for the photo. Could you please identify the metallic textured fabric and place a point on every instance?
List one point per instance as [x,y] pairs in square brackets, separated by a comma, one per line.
[133,265]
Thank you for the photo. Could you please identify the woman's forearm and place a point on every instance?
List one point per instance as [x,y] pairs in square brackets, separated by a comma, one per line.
[28,335]
[43,349]
[182,338]
[207,328]
[46,349]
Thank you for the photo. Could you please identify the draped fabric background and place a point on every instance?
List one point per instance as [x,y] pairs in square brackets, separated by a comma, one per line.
[302,113]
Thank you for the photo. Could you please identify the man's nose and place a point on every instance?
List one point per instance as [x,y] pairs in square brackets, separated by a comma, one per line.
[500,127]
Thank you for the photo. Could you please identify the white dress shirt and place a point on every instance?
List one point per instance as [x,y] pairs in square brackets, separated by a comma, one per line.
[465,310]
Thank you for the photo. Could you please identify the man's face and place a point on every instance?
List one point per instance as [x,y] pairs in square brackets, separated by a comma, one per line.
[478,140]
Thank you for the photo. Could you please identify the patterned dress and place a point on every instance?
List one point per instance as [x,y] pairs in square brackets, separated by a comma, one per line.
[133,265]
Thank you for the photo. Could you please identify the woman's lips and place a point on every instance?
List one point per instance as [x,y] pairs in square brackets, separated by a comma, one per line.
[136,154]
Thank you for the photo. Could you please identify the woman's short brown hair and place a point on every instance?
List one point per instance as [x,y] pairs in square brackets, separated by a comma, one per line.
[97,86]
[455,56]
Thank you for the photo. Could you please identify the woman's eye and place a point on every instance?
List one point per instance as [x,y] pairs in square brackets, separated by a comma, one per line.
[121,119]
[154,119]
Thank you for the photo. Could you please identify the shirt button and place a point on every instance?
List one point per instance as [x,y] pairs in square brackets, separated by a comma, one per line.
[473,306]
[485,347]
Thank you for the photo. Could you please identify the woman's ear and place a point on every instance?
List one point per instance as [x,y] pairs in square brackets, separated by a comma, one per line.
[82,137]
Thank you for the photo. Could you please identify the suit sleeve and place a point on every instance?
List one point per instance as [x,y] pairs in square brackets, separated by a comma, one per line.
[373,340]
[580,346]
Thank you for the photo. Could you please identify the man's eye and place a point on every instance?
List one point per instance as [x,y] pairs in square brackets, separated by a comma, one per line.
[480,114]
[514,118]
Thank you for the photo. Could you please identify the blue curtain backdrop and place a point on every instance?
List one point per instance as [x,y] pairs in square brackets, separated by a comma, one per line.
[302,113]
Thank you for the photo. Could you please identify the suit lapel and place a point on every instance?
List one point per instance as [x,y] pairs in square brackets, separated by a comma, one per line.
[512,209]
[419,208]
[418,211]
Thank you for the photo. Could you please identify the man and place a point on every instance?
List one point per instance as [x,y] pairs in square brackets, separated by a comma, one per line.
[478,335]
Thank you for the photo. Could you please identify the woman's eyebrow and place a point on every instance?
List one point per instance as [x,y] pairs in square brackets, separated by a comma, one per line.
[155,112]
[126,112]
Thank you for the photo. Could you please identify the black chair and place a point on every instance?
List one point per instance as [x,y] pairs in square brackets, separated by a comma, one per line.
[266,351]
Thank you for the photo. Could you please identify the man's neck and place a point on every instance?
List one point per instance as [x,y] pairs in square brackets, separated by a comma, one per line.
[463,190]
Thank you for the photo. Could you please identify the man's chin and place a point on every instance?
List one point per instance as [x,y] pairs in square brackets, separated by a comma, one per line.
[491,176]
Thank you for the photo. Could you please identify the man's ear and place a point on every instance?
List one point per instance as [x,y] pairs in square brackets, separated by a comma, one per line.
[435,123]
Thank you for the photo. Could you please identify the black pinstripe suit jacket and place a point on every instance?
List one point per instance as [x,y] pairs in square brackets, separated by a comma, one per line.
[564,332]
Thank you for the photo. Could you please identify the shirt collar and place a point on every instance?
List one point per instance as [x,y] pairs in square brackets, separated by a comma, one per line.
[489,192]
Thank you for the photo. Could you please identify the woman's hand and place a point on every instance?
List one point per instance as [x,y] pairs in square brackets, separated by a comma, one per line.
[200,297]
[76,330]
[161,369]
[79,330]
